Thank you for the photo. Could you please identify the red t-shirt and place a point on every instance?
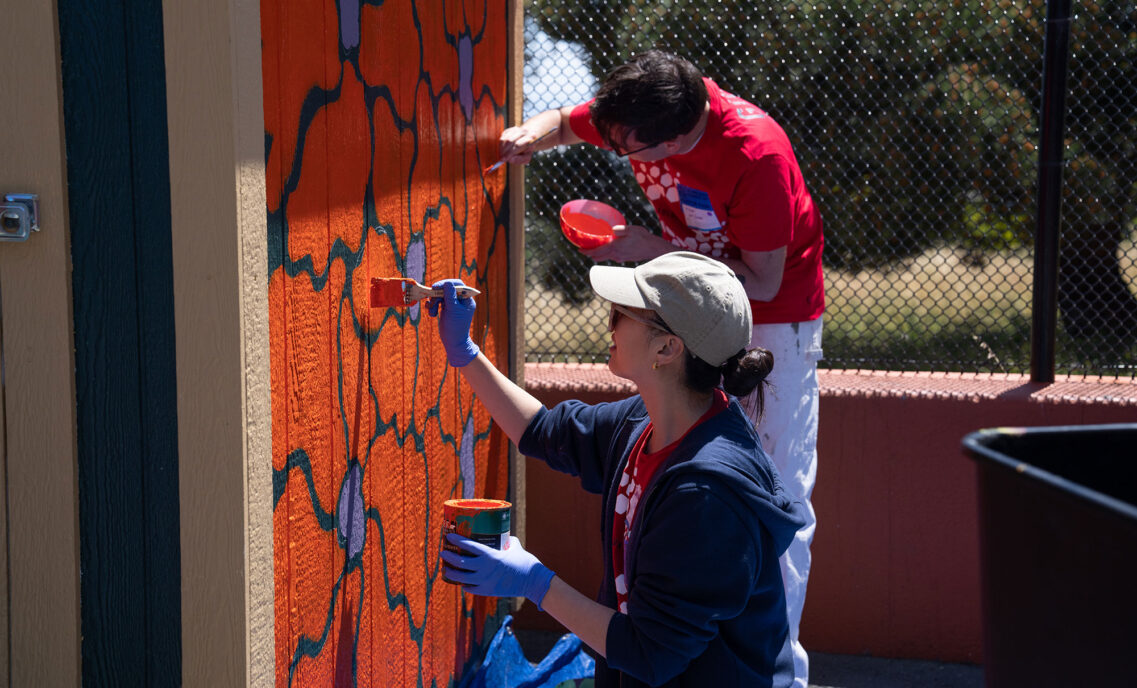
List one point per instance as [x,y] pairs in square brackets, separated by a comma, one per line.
[637,475]
[739,188]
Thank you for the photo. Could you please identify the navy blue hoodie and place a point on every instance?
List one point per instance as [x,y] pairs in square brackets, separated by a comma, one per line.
[705,602]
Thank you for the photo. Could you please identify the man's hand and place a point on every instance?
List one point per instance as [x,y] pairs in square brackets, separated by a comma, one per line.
[633,243]
[516,145]
[482,570]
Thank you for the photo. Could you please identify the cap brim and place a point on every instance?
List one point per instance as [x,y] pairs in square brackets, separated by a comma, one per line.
[617,285]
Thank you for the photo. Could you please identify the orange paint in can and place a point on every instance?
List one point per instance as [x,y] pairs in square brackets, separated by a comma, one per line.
[485,521]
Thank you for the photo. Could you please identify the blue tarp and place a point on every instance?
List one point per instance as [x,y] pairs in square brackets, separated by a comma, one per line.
[505,665]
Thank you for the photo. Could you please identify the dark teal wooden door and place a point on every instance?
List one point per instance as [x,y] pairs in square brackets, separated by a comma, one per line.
[114,97]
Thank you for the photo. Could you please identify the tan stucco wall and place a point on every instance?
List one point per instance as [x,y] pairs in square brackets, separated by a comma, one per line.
[216,135]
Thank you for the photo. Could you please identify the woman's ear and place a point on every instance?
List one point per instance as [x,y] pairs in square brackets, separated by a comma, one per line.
[670,348]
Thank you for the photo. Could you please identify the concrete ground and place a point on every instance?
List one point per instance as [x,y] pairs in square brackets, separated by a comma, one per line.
[832,671]
[850,671]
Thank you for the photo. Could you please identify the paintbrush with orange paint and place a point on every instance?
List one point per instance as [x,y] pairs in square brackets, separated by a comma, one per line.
[532,143]
[402,291]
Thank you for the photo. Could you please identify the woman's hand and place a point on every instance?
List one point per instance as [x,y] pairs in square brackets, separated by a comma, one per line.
[454,322]
[511,572]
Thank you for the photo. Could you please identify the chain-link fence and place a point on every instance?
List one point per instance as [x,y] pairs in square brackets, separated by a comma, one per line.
[916,126]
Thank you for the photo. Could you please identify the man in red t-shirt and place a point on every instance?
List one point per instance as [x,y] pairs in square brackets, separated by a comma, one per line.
[724,181]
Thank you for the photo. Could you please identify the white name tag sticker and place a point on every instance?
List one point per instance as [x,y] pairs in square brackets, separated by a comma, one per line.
[698,212]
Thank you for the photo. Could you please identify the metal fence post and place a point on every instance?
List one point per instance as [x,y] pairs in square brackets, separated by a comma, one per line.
[1045,309]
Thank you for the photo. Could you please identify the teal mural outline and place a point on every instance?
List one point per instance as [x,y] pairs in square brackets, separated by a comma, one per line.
[410,262]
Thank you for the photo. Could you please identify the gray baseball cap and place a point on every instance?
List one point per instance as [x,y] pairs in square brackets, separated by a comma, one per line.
[699,298]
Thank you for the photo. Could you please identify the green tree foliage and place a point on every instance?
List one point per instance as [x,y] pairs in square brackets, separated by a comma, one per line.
[1100,198]
[916,123]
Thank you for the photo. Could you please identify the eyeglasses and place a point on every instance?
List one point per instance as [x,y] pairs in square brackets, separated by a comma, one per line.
[652,323]
[624,154]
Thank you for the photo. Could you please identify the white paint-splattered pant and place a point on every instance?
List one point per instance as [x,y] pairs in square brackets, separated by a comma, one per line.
[788,429]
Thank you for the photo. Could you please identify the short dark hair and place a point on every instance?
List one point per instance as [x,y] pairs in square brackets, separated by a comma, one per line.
[657,96]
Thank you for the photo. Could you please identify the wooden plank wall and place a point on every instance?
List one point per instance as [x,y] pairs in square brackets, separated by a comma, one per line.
[114,109]
[40,616]
[379,119]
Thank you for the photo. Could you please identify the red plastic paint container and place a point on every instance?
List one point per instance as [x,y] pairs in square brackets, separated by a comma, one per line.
[485,521]
[588,224]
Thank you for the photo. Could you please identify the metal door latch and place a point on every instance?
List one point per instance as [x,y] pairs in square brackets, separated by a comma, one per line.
[19,216]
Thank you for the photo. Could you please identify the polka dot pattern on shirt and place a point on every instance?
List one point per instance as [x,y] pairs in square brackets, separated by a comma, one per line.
[658,182]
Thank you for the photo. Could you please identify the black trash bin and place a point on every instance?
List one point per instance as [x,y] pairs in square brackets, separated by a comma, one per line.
[1058,552]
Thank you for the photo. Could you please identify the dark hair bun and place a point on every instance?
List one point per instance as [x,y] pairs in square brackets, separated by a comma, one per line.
[746,370]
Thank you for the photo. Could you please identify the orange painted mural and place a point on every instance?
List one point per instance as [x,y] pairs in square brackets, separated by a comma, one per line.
[379,119]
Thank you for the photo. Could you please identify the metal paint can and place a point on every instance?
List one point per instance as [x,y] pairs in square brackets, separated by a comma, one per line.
[485,521]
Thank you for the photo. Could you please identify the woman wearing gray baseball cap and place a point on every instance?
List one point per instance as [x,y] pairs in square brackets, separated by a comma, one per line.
[694,514]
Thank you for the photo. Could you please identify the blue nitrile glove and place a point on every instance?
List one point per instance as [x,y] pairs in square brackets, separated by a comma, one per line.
[454,322]
[511,572]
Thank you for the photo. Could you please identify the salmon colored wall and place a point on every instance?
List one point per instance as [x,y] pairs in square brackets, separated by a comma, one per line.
[378,122]
[896,568]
